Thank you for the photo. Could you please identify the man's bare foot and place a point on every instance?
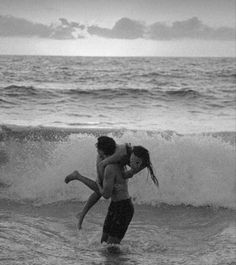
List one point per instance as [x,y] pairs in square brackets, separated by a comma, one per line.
[80,220]
[71,177]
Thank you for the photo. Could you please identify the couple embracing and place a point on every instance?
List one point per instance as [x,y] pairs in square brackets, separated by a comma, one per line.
[112,182]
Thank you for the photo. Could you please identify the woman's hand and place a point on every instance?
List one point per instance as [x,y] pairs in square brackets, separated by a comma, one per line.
[102,164]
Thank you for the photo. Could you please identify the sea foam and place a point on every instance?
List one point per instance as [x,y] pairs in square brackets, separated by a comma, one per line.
[196,170]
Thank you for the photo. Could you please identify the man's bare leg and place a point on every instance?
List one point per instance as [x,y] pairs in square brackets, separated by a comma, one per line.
[112,243]
[110,239]
[113,240]
[104,237]
[93,198]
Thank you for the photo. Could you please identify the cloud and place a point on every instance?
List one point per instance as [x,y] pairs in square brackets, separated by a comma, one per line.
[125,28]
[13,26]
[191,28]
[66,30]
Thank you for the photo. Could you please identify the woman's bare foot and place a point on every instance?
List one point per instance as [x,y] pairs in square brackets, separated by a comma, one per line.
[71,177]
[80,218]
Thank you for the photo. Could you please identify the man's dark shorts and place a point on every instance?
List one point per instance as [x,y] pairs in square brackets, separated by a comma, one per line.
[118,218]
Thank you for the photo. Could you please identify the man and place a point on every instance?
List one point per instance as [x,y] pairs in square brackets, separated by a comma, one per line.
[112,185]
[121,210]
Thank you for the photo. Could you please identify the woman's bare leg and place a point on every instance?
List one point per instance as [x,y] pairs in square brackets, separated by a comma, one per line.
[88,182]
[93,198]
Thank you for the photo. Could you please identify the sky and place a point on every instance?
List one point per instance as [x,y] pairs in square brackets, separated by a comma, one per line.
[118,27]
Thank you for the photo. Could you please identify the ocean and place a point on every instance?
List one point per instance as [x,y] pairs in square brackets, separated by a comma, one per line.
[52,109]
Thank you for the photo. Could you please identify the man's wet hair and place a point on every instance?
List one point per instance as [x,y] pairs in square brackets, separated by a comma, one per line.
[106,144]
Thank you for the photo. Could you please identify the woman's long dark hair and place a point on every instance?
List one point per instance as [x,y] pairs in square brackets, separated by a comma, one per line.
[143,153]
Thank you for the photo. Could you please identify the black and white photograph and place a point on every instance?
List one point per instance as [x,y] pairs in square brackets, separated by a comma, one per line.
[117,132]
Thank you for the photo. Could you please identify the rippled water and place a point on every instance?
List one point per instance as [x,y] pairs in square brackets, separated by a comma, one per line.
[166,235]
[181,94]
[181,109]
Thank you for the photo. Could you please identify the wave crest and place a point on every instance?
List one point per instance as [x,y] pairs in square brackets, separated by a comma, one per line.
[192,169]
[184,92]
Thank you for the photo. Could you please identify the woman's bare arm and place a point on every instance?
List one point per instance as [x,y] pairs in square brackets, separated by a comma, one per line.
[131,172]
[115,158]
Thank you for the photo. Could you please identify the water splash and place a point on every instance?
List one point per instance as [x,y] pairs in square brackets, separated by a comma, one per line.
[196,170]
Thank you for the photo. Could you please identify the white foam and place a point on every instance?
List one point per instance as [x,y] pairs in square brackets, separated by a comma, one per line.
[196,170]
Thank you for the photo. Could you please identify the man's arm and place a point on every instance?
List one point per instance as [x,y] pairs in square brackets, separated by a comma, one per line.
[115,158]
[108,182]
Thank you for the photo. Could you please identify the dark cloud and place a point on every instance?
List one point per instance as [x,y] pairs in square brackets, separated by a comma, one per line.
[62,33]
[65,23]
[12,26]
[66,30]
[192,28]
[124,28]
[102,32]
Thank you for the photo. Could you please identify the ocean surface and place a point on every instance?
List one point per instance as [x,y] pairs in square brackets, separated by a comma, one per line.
[181,109]
[180,94]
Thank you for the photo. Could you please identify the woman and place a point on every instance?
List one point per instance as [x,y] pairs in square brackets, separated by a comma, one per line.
[137,157]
